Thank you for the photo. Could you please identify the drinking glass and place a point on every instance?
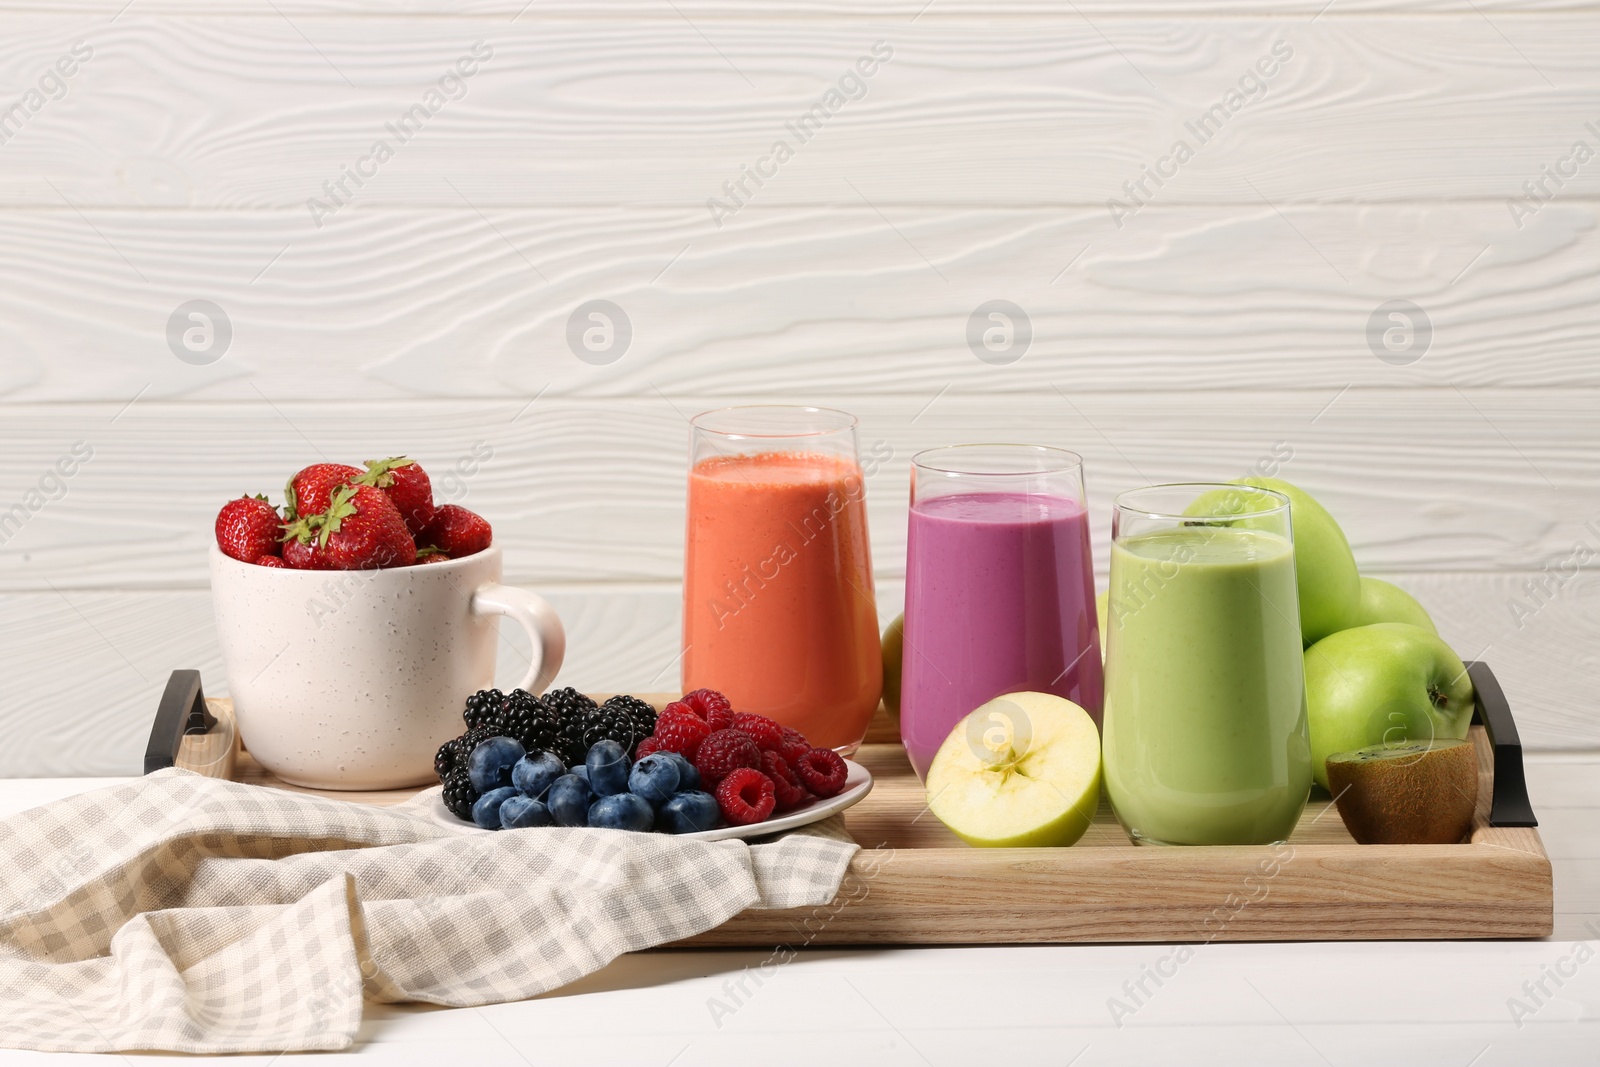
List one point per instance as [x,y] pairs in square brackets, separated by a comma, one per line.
[779,612]
[999,587]
[1205,737]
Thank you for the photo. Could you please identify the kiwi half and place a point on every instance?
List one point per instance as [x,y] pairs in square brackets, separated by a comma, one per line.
[1416,793]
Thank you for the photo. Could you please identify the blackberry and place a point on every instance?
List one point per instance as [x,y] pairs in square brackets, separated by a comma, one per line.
[459,796]
[461,747]
[527,719]
[568,703]
[570,745]
[445,760]
[613,723]
[644,715]
[483,708]
[570,708]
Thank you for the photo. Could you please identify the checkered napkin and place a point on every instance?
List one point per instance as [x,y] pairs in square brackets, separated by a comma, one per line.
[190,914]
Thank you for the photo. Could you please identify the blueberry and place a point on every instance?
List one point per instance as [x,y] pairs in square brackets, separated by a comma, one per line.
[688,777]
[568,800]
[534,772]
[622,811]
[655,778]
[689,812]
[490,764]
[608,768]
[581,771]
[520,811]
[486,811]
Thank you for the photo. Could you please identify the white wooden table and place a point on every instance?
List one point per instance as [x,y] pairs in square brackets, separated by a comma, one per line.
[1279,1004]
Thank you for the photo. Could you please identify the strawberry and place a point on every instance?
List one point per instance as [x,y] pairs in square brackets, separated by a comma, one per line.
[457,531]
[310,490]
[360,530]
[248,528]
[432,557]
[304,555]
[407,485]
[271,561]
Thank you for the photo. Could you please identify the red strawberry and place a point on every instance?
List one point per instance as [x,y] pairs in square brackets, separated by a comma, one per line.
[271,561]
[457,531]
[407,485]
[360,530]
[310,491]
[248,528]
[305,555]
[432,557]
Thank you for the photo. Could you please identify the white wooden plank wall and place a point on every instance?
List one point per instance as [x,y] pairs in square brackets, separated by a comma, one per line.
[1374,152]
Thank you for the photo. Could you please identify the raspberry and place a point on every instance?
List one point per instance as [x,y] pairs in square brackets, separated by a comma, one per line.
[745,796]
[681,732]
[711,706]
[794,747]
[767,734]
[823,771]
[648,747]
[786,785]
[678,707]
[724,752]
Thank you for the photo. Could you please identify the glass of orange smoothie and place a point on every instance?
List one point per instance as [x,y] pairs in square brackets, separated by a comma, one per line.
[778,606]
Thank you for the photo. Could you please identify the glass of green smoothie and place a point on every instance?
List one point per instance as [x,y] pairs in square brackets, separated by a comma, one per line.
[1205,737]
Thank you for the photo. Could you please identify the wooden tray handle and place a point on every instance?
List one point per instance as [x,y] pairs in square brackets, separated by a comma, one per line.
[182,711]
[1510,806]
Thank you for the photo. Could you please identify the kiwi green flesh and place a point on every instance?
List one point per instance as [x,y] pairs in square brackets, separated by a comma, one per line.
[1400,750]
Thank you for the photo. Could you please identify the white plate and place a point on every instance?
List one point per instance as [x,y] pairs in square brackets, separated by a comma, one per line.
[856,786]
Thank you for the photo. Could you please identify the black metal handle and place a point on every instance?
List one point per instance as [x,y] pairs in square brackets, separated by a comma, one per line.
[182,711]
[1510,806]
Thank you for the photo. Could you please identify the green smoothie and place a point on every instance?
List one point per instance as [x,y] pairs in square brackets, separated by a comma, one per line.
[1205,714]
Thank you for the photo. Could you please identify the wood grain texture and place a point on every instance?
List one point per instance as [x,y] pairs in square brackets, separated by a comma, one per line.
[592,490]
[392,304]
[260,111]
[915,883]
[109,653]
[912,887]
[840,10]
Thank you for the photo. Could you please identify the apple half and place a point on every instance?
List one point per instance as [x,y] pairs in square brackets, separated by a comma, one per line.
[1022,771]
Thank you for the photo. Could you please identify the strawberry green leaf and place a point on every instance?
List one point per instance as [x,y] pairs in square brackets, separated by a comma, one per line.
[291,510]
[340,507]
[380,472]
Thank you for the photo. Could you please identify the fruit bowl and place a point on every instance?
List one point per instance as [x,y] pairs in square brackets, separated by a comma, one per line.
[856,787]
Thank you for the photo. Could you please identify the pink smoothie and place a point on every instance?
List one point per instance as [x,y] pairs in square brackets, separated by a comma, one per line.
[999,599]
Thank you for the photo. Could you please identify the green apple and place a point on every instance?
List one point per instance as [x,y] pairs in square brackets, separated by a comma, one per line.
[1325,574]
[1387,683]
[1021,771]
[1382,601]
[894,639]
[1102,608]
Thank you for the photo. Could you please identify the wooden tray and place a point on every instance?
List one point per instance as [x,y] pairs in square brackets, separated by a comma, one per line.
[915,883]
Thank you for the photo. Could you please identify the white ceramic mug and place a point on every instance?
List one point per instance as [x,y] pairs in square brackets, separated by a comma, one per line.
[352,679]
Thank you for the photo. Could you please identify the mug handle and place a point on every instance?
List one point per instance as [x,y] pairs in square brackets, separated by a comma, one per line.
[545,632]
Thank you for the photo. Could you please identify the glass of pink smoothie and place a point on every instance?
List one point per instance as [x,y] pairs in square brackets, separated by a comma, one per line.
[999,587]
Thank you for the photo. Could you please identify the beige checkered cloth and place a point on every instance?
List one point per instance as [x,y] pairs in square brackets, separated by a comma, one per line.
[189,914]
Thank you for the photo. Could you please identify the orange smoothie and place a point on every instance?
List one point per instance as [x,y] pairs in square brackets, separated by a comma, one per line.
[778,605]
